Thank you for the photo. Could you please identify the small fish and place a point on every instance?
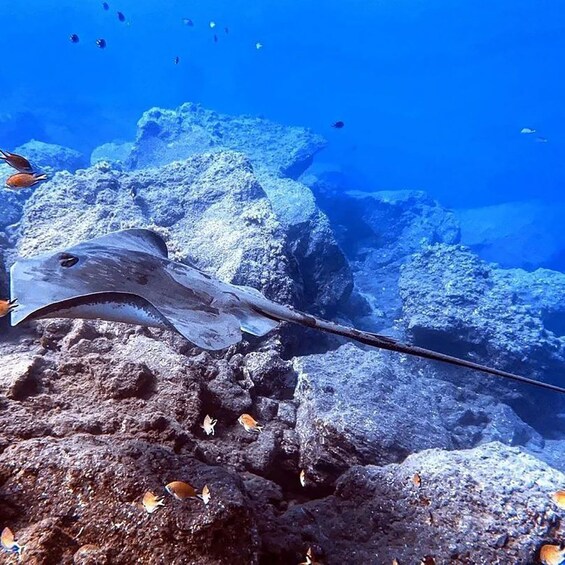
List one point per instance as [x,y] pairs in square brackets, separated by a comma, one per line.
[24,180]
[16,161]
[303,478]
[188,22]
[258,45]
[177,60]
[101,43]
[105,5]
[417,480]
[226,30]
[74,38]
[6,306]
[9,542]
[527,130]
[180,490]
[208,425]
[541,139]
[205,496]
[551,555]
[310,558]
[395,561]
[559,498]
[249,423]
[212,25]
[428,560]
[215,38]
[121,17]
[151,502]
[338,125]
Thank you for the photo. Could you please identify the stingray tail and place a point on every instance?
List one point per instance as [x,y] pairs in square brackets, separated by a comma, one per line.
[382,342]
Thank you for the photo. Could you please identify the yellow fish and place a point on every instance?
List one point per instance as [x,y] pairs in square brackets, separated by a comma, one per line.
[9,543]
[205,496]
[551,555]
[180,490]
[559,498]
[249,423]
[6,306]
[151,502]
[209,425]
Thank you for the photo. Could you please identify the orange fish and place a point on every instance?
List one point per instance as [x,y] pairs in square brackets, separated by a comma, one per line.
[303,478]
[395,561]
[559,498]
[310,558]
[205,496]
[551,555]
[24,180]
[16,161]
[428,560]
[249,423]
[180,490]
[151,502]
[6,306]
[9,542]
[417,480]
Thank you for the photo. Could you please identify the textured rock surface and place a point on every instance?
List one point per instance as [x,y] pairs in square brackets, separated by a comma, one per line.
[114,152]
[169,135]
[543,290]
[378,231]
[453,301]
[486,505]
[516,234]
[50,157]
[361,406]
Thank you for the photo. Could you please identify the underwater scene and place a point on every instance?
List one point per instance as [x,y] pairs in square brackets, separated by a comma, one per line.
[282,283]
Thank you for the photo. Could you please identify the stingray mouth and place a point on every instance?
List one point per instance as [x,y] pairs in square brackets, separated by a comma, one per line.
[110,306]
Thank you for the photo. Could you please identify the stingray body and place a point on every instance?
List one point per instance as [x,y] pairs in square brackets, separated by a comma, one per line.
[127,277]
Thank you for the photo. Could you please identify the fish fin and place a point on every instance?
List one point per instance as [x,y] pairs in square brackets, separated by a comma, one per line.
[135,239]
[384,342]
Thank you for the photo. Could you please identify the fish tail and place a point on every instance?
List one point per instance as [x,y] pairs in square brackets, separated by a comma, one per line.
[3,155]
[285,314]
[40,177]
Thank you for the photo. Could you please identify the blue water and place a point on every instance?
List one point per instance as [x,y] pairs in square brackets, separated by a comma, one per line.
[433,94]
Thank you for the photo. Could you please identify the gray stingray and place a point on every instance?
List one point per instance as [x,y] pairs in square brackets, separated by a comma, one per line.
[127,277]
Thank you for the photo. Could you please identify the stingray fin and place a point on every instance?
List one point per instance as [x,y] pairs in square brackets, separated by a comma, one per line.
[135,239]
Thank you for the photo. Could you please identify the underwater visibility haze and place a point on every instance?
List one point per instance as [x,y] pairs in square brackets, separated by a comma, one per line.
[191,191]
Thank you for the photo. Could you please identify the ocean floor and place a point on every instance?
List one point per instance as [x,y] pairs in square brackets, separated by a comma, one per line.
[401,459]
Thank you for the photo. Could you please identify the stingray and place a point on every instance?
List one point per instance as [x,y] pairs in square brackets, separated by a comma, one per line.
[127,276]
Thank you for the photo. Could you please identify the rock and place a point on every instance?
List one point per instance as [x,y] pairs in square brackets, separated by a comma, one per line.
[327,278]
[270,374]
[378,231]
[50,157]
[65,494]
[126,380]
[490,504]
[453,302]
[164,136]
[543,290]
[527,234]
[19,376]
[116,153]
[371,407]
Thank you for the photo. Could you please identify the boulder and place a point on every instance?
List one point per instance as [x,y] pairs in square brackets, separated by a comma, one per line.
[164,136]
[359,406]
[454,302]
[50,157]
[491,504]
[115,152]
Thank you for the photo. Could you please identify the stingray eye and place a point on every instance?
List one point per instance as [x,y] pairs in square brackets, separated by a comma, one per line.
[67,260]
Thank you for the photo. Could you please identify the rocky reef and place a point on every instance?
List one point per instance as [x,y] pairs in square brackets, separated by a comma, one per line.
[365,456]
